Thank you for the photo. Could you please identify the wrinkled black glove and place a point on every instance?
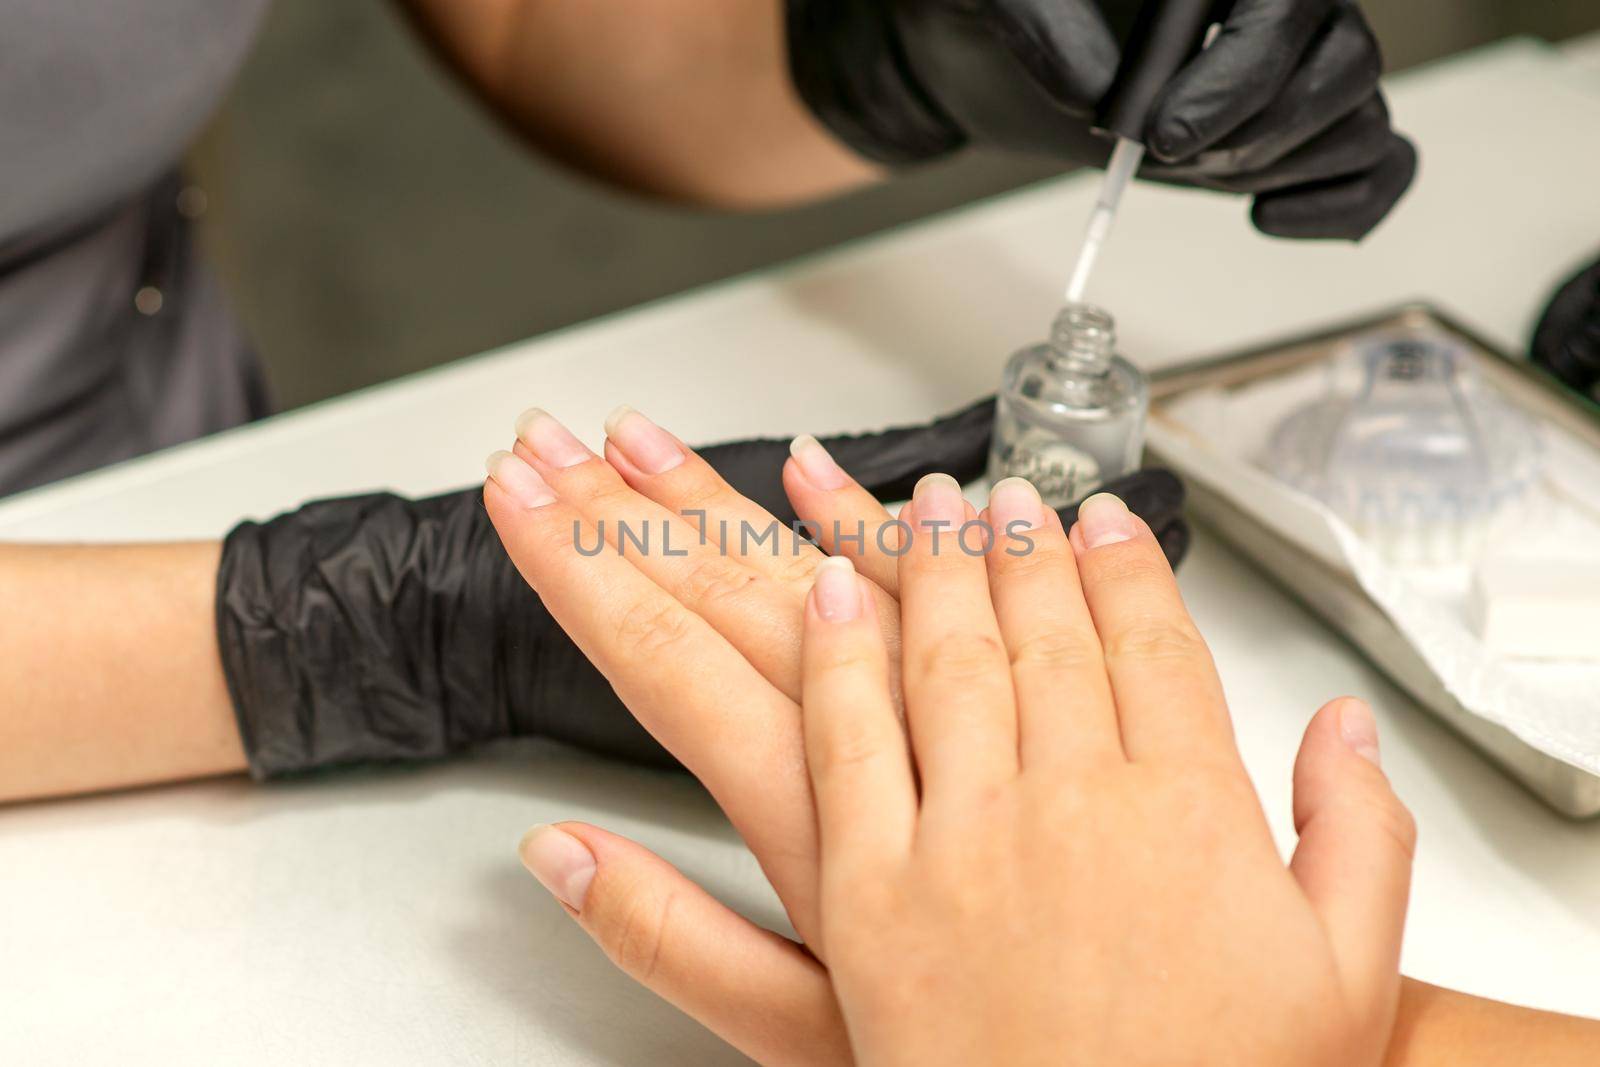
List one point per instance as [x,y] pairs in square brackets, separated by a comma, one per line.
[375,628]
[1567,340]
[1283,105]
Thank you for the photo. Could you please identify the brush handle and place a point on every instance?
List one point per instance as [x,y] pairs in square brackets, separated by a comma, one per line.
[1165,36]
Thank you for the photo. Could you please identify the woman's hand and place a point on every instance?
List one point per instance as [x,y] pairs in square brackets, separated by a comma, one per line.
[758,991]
[700,632]
[670,632]
[1068,863]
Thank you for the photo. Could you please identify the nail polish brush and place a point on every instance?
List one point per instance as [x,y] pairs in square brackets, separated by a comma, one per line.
[1166,34]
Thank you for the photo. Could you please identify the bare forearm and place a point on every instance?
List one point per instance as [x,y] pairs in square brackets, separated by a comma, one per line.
[110,675]
[687,99]
[1442,1028]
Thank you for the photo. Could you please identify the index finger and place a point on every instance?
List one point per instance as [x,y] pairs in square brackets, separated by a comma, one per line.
[1236,77]
[1169,699]
[682,680]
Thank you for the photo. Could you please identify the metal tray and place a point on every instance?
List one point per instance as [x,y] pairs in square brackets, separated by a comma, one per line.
[1335,595]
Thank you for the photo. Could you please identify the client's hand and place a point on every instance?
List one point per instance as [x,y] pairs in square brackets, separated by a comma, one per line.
[1084,875]
[689,599]
[739,730]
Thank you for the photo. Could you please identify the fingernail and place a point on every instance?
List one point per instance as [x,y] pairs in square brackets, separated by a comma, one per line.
[560,861]
[837,593]
[1359,730]
[1014,504]
[937,498]
[551,441]
[816,464]
[519,480]
[1104,520]
[647,446]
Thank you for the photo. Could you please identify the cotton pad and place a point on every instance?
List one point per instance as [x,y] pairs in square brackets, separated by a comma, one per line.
[1536,608]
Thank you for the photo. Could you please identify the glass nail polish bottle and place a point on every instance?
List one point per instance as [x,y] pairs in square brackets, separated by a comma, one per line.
[1070,414]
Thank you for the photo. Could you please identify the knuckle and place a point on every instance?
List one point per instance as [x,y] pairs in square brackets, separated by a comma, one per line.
[962,657]
[698,490]
[1130,563]
[1056,652]
[853,660]
[796,568]
[553,540]
[1037,561]
[923,560]
[713,580]
[1155,642]
[652,628]
[847,746]
[1395,821]
[603,491]
[635,932]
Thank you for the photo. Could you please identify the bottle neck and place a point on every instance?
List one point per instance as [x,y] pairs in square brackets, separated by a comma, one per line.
[1083,340]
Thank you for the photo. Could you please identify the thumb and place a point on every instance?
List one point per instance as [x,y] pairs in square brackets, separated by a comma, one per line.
[762,993]
[1356,846]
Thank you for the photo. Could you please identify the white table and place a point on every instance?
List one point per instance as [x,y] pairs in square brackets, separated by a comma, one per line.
[381,917]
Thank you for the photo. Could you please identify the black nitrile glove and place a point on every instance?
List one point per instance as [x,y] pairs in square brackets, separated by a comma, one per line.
[1283,105]
[375,628]
[1567,341]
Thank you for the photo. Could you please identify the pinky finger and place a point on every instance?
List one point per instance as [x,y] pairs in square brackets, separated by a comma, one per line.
[1348,207]
[759,992]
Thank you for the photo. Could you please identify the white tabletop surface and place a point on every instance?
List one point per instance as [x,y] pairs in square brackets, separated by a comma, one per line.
[382,917]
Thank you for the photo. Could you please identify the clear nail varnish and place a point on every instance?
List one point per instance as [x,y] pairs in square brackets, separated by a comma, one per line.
[1070,414]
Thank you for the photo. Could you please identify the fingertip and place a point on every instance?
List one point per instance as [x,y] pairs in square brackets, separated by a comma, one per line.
[521,483]
[621,464]
[1339,753]
[561,862]
[835,591]
[816,465]
[1358,728]
[1171,138]
[1104,519]
[1347,722]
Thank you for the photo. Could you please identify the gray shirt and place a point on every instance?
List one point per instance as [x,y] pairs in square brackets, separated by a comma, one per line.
[114,338]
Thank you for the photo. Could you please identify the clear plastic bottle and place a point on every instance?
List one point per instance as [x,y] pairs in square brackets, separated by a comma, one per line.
[1409,447]
[1070,414]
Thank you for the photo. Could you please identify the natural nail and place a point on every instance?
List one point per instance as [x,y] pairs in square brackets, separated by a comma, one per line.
[1104,520]
[550,440]
[837,593]
[647,446]
[519,480]
[816,464]
[1359,730]
[1014,504]
[562,863]
[937,498]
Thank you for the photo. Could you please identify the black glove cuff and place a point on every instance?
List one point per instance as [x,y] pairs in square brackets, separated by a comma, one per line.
[376,628]
[847,64]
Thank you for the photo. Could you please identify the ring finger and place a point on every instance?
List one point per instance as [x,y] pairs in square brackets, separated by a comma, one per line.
[1065,712]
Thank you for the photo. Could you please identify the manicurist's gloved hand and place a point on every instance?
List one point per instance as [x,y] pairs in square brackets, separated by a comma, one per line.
[1567,341]
[1284,104]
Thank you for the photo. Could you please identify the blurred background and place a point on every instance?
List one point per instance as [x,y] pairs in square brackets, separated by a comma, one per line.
[370,219]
